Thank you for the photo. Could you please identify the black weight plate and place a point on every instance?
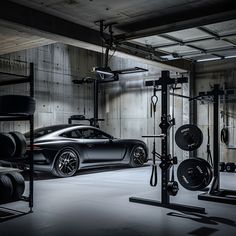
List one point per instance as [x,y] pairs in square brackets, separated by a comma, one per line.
[172,188]
[8,145]
[6,189]
[222,166]
[18,184]
[194,174]
[230,167]
[188,137]
[17,105]
[20,141]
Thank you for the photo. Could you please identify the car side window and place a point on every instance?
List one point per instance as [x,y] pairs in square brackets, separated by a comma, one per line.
[93,134]
[72,134]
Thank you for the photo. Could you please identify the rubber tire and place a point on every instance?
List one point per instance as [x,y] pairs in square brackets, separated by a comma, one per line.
[18,184]
[132,162]
[17,105]
[20,141]
[8,146]
[6,189]
[55,171]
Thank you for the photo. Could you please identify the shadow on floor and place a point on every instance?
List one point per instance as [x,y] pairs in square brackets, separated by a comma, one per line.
[87,171]
[203,231]
[8,214]
[211,220]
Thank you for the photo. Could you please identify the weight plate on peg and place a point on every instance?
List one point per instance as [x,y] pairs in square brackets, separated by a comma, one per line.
[194,174]
[188,137]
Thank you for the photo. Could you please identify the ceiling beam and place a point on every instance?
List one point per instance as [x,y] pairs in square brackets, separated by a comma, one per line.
[52,27]
[189,18]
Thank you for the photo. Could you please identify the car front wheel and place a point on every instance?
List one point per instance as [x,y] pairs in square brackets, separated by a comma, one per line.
[138,157]
[66,163]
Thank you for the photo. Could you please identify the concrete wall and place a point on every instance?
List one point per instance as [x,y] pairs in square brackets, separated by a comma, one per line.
[125,105]
[56,65]
[208,74]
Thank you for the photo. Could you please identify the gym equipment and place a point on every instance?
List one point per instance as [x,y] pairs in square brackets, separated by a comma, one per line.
[194,174]
[6,189]
[224,133]
[17,105]
[222,166]
[18,184]
[230,166]
[166,159]
[172,185]
[20,141]
[188,137]
[209,156]
[172,188]
[215,193]
[8,145]
[153,178]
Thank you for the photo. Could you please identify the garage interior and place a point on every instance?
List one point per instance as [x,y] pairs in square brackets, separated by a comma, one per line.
[101,63]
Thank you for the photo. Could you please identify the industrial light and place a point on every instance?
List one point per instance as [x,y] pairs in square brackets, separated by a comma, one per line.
[209,59]
[104,71]
[233,56]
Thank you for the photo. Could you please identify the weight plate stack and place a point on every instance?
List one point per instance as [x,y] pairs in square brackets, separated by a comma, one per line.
[230,167]
[194,174]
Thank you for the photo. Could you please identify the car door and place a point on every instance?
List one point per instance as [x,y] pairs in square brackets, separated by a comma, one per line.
[101,147]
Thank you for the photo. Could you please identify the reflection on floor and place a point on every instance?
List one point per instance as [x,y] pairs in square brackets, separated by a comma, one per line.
[96,202]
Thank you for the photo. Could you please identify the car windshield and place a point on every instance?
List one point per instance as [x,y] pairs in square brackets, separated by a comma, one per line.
[45,130]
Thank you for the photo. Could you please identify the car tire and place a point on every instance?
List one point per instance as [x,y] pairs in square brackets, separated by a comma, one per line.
[66,163]
[6,189]
[18,184]
[8,146]
[20,141]
[138,156]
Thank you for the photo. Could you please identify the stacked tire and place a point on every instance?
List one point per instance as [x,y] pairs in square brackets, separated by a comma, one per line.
[12,187]
[12,184]
[12,145]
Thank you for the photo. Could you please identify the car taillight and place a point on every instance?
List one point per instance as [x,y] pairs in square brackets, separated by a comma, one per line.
[35,147]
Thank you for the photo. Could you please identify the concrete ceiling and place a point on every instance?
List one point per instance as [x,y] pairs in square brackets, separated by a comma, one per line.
[75,22]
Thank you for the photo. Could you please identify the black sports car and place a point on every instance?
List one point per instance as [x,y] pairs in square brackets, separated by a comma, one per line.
[63,149]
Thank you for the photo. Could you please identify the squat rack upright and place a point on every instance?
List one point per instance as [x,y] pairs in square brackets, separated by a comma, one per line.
[166,160]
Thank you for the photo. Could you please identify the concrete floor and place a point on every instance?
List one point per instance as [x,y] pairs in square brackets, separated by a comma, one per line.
[96,202]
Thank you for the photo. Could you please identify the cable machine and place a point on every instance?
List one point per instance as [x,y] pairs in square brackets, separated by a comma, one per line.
[167,161]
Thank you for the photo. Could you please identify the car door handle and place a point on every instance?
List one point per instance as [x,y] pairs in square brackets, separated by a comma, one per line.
[90,145]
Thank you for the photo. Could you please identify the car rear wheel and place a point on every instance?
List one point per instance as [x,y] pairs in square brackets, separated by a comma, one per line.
[66,164]
[138,157]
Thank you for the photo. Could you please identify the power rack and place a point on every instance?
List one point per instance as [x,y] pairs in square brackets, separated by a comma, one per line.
[164,82]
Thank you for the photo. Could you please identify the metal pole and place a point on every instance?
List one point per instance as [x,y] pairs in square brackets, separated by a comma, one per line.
[216,148]
[95,101]
[165,174]
[31,156]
